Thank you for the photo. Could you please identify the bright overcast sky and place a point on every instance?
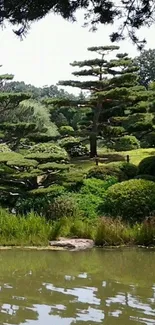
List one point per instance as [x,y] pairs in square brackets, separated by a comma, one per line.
[43,57]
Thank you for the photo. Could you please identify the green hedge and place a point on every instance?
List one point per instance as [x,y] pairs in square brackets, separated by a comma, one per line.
[132,200]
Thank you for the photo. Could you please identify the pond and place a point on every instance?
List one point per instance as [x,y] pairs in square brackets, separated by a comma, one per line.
[100,286]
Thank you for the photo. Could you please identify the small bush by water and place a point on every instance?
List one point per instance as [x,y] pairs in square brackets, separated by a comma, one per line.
[132,200]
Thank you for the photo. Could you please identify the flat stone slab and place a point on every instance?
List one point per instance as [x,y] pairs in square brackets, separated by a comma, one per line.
[73,243]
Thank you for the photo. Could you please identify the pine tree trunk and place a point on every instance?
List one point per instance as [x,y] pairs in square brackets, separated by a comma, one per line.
[94,132]
[93,145]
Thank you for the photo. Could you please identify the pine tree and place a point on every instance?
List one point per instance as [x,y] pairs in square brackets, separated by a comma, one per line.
[22,171]
[96,68]
[114,90]
[116,98]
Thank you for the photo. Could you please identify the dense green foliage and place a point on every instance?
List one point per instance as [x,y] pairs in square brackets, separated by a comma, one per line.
[19,230]
[49,182]
[146,63]
[132,200]
[119,170]
[127,142]
[120,111]
[35,231]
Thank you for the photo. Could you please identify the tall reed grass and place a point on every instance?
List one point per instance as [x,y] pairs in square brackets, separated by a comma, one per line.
[34,230]
[20,230]
[106,231]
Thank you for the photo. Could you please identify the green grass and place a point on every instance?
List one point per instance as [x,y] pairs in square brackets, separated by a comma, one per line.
[135,157]
[106,231]
[18,230]
[33,230]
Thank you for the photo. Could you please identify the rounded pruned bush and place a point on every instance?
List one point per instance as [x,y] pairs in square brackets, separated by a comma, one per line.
[132,200]
[104,171]
[66,130]
[147,166]
[129,169]
[120,170]
[127,142]
[74,147]
[148,141]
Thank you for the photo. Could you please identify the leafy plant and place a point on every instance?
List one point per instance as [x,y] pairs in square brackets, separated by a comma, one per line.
[96,186]
[132,200]
[63,206]
[88,204]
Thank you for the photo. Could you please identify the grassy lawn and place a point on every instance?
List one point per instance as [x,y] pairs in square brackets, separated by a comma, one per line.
[135,157]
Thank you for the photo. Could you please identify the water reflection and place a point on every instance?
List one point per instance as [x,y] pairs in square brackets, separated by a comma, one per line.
[85,288]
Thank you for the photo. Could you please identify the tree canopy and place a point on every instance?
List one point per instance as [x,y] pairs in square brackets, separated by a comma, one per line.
[36,92]
[146,64]
[131,14]
[115,92]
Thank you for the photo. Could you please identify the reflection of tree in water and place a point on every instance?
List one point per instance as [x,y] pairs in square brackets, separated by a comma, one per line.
[91,287]
[112,301]
[13,314]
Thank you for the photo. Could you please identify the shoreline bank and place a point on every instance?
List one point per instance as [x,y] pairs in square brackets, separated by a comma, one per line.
[58,248]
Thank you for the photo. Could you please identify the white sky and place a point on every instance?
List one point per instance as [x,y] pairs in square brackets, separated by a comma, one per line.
[43,57]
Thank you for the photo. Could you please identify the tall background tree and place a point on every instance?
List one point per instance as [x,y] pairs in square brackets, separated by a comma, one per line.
[146,64]
[36,92]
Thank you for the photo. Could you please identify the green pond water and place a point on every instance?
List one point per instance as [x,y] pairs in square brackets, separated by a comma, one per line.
[112,286]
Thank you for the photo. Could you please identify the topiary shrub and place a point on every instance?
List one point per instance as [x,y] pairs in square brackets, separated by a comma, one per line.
[77,150]
[50,191]
[66,130]
[48,148]
[147,166]
[148,141]
[127,142]
[4,147]
[132,200]
[104,171]
[130,170]
[138,122]
[73,180]
[74,147]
